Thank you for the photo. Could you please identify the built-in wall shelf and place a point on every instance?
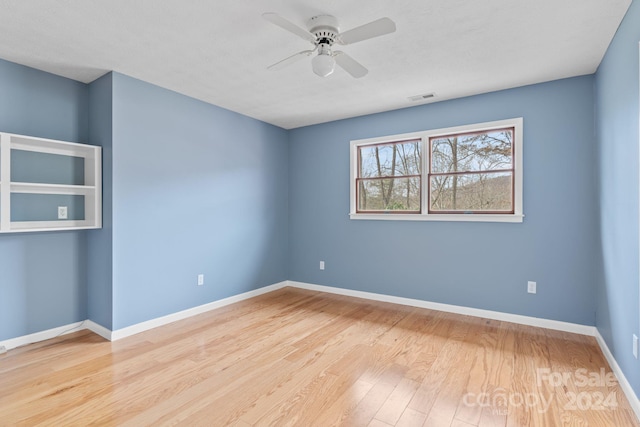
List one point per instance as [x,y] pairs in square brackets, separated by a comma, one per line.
[48,185]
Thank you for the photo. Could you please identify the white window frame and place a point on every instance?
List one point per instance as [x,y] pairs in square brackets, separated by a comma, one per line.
[516,216]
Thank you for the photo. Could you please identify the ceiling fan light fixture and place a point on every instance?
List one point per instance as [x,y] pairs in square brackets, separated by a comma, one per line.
[323,33]
[323,64]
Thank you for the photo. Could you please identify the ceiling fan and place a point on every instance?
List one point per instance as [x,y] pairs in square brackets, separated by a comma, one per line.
[323,32]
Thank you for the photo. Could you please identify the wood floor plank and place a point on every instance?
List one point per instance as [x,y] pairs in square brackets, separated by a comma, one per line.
[448,357]
[299,357]
[446,402]
[367,408]
[411,418]
[528,397]
[344,405]
[320,384]
[395,405]
[458,423]
[378,423]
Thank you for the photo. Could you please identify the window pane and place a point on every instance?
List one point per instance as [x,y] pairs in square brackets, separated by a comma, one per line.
[395,159]
[389,194]
[491,150]
[472,192]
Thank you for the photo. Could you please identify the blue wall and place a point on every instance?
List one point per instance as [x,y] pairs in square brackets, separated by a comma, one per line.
[196,189]
[188,188]
[100,242]
[482,265]
[42,275]
[617,113]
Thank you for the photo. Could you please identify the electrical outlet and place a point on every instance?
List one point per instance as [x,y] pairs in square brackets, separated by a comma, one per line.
[3,349]
[62,212]
[200,279]
[321,265]
[635,346]
[531,287]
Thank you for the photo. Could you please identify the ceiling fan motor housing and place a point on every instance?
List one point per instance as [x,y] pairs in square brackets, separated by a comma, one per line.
[325,28]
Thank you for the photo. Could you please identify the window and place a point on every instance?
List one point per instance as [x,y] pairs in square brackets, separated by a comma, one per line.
[466,173]
[389,177]
[472,172]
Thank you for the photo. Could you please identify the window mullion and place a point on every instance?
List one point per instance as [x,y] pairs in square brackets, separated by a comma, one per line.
[425,169]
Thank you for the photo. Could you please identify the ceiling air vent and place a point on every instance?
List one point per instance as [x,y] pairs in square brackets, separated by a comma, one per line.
[422,97]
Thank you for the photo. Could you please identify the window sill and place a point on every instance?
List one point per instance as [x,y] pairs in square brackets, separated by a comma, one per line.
[436,217]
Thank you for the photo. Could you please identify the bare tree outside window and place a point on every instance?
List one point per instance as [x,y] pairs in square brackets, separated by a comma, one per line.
[472,173]
[389,177]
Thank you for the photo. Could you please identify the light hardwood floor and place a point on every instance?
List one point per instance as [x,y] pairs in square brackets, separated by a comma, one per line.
[295,357]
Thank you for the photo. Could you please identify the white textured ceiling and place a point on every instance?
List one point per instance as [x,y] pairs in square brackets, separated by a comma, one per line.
[218,51]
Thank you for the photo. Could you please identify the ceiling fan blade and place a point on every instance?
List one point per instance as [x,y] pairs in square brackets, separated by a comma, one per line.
[349,64]
[290,60]
[373,29]
[278,20]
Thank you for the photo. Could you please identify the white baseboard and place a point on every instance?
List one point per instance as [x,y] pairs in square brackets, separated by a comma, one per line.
[622,380]
[98,329]
[487,314]
[468,311]
[137,328]
[42,335]
[159,321]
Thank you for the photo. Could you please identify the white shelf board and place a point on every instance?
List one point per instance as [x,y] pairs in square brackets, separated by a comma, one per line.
[38,188]
[50,225]
[42,145]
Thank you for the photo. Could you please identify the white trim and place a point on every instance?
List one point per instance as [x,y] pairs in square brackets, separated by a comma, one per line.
[51,146]
[467,311]
[170,318]
[137,328]
[436,217]
[5,182]
[424,136]
[639,159]
[37,188]
[98,329]
[42,335]
[622,380]
[35,226]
